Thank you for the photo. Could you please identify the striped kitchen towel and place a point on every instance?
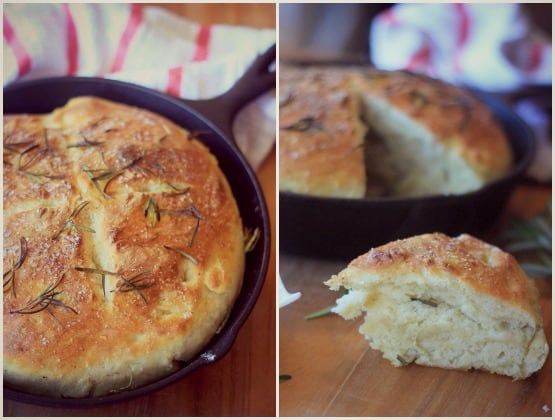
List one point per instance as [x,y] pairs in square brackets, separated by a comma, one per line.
[493,47]
[144,45]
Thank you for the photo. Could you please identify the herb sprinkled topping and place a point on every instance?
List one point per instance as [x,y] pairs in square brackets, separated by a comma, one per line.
[182,253]
[9,276]
[304,124]
[134,284]
[43,302]
[103,274]
[71,222]
[251,238]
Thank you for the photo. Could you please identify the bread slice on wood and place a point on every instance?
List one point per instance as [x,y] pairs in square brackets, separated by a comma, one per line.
[447,302]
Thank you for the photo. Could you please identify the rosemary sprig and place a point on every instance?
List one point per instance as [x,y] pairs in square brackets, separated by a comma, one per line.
[43,302]
[10,274]
[530,240]
[14,147]
[37,176]
[418,98]
[85,143]
[304,124]
[251,238]
[182,253]
[103,274]
[134,284]
[152,211]
[190,211]
[71,221]
[401,360]
[22,166]
[428,302]
[107,175]
[325,311]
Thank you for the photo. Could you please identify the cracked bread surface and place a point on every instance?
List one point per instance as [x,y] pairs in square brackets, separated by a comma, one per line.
[454,303]
[123,248]
[422,136]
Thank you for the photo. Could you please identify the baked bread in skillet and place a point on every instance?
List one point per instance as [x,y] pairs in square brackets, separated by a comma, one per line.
[421,136]
[321,136]
[123,248]
[448,302]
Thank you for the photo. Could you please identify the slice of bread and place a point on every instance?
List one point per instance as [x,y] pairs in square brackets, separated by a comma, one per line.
[454,303]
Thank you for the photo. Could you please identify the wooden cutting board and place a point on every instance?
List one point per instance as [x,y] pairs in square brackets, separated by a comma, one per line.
[334,372]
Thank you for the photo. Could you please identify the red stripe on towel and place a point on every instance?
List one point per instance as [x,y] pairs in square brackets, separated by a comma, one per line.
[420,60]
[72,51]
[202,41]
[135,20]
[21,55]
[175,75]
[536,53]
[390,17]
[462,33]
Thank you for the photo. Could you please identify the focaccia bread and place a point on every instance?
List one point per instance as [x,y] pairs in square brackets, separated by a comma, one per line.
[447,302]
[123,248]
[421,136]
[321,136]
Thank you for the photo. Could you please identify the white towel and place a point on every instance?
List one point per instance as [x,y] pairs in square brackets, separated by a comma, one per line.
[143,45]
[493,47]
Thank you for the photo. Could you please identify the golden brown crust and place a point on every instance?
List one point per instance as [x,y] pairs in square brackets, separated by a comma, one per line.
[452,114]
[483,268]
[107,187]
[458,122]
[320,143]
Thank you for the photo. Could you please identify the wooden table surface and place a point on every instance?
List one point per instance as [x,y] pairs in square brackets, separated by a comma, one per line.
[243,383]
[334,372]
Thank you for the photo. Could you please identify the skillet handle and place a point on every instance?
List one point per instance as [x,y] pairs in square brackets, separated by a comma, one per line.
[221,110]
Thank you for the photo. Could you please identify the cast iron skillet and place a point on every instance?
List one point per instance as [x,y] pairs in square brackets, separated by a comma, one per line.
[213,119]
[342,229]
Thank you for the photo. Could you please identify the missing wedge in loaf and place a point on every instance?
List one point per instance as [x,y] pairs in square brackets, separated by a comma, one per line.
[380,133]
[455,303]
[123,249]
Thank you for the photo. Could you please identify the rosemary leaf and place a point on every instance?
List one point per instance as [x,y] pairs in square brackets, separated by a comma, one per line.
[43,302]
[135,283]
[304,124]
[325,311]
[320,313]
[536,270]
[192,212]
[71,222]
[530,242]
[10,274]
[418,98]
[85,143]
[152,211]
[251,238]
[103,274]
[284,377]
[403,361]
[182,253]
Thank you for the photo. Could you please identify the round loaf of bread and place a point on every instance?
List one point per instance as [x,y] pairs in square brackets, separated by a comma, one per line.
[123,248]
[383,133]
[455,303]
